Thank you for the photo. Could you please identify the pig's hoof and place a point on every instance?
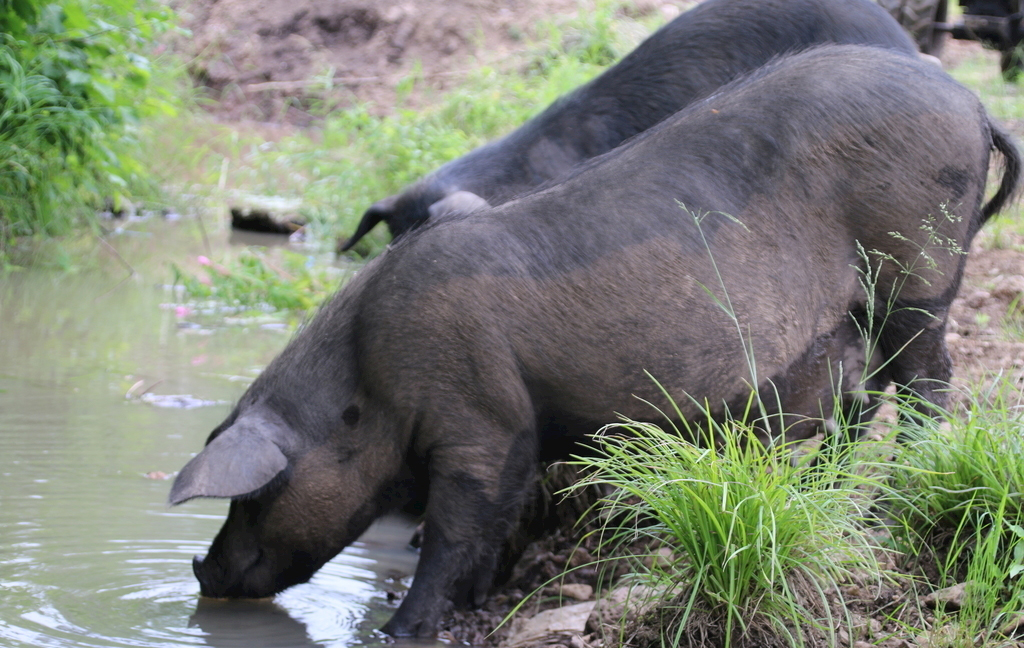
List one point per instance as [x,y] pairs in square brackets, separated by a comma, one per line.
[397,628]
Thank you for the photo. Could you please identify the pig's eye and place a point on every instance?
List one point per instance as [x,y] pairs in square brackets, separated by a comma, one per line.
[350,415]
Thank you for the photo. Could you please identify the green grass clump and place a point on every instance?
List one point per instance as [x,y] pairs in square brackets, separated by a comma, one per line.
[758,540]
[958,507]
[1013,321]
[958,476]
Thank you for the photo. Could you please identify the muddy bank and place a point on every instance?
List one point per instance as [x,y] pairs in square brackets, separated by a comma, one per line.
[259,59]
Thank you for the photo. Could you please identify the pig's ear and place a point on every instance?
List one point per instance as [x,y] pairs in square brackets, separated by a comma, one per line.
[238,461]
[382,210]
[460,202]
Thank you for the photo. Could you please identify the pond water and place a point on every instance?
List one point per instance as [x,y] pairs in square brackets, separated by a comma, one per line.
[90,553]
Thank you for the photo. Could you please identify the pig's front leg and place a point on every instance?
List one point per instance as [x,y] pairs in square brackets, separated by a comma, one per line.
[476,496]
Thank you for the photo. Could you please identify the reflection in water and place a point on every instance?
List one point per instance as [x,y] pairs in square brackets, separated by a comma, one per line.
[241,237]
[241,624]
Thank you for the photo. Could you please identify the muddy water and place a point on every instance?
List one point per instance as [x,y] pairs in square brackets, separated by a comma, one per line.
[90,554]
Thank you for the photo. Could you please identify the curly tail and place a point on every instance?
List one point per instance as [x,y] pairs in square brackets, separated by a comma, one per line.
[1010,184]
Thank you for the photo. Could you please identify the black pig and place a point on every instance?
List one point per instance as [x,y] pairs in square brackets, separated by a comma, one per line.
[688,58]
[461,355]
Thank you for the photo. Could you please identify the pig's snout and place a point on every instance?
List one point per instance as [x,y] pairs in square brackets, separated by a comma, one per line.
[248,575]
[216,581]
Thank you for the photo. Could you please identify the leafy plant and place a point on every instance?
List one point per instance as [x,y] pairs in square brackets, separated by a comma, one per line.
[1017,562]
[73,85]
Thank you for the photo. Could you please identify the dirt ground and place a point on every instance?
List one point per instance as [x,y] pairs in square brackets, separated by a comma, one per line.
[255,56]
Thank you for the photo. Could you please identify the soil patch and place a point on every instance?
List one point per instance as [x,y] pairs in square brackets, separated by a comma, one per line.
[986,329]
[259,59]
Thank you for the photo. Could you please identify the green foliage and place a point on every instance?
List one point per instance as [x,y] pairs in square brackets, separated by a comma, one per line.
[1013,321]
[73,85]
[590,38]
[364,158]
[957,500]
[985,561]
[959,477]
[756,538]
[255,281]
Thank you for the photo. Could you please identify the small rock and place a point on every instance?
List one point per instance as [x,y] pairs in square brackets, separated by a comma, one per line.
[943,637]
[662,558]
[580,557]
[631,601]
[578,591]
[669,11]
[978,298]
[1009,288]
[394,14]
[578,642]
[220,71]
[951,598]
[270,214]
[571,619]
[874,628]
[1014,627]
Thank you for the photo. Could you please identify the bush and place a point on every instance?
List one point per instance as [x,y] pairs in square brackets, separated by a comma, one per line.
[73,85]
